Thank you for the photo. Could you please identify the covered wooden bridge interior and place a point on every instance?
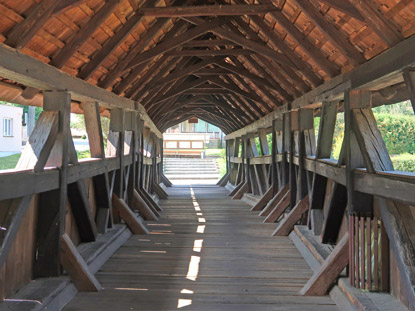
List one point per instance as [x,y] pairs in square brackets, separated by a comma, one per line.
[253,68]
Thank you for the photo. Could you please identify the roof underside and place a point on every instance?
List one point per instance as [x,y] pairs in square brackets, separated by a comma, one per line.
[227,62]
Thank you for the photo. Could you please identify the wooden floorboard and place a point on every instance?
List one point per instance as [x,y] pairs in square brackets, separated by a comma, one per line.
[223,258]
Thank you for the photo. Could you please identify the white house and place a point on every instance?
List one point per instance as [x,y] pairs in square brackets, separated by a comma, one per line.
[10,128]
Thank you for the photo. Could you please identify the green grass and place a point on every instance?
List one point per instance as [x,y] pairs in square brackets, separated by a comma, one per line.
[9,162]
[213,152]
[404,162]
[221,165]
[83,154]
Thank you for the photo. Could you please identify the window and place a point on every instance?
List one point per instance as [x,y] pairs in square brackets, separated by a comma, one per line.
[171,144]
[184,144]
[7,127]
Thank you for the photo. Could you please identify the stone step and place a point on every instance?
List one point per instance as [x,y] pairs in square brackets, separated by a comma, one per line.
[193,176]
[202,168]
[190,172]
[190,165]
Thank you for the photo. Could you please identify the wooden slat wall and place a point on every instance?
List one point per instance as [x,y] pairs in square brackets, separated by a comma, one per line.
[18,269]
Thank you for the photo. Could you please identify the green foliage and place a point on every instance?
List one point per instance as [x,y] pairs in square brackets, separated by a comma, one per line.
[403,108]
[338,134]
[398,132]
[258,146]
[215,152]
[9,162]
[221,165]
[83,154]
[404,162]
[78,121]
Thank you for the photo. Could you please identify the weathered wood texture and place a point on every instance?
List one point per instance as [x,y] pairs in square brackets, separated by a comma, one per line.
[77,268]
[221,264]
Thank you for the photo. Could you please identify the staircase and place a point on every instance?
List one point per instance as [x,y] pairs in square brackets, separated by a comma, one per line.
[191,169]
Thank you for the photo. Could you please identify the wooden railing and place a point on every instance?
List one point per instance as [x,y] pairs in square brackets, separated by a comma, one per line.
[53,202]
[296,182]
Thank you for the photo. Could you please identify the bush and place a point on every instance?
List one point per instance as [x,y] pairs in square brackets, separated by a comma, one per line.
[404,162]
[398,132]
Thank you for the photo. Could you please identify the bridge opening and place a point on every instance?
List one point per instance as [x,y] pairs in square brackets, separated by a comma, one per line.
[194,153]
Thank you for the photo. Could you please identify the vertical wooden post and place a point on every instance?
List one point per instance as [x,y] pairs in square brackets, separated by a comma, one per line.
[409,77]
[117,124]
[286,137]
[52,204]
[101,182]
[274,174]
[305,123]
[131,125]
[293,126]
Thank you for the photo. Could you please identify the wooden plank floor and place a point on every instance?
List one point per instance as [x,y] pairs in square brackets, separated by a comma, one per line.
[207,253]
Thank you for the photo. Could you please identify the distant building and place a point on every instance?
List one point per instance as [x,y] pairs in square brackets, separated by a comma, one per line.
[11,134]
[214,135]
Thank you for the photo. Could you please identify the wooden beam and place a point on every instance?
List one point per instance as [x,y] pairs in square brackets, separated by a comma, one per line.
[240,70]
[112,44]
[308,47]
[65,5]
[274,201]
[382,26]
[344,6]
[94,129]
[40,143]
[409,78]
[136,225]
[239,194]
[102,201]
[64,54]
[279,208]
[336,207]
[204,53]
[77,268]
[208,43]
[371,75]
[141,87]
[123,63]
[21,34]
[246,43]
[167,45]
[336,37]
[22,68]
[286,225]
[326,130]
[370,140]
[12,212]
[284,48]
[396,219]
[81,211]
[53,204]
[159,191]
[144,210]
[208,10]
[176,74]
[321,281]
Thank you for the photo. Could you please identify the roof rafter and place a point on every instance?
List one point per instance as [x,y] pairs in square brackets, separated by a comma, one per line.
[20,35]
[207,10]
[167,45]
[123,63]
[64,54]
